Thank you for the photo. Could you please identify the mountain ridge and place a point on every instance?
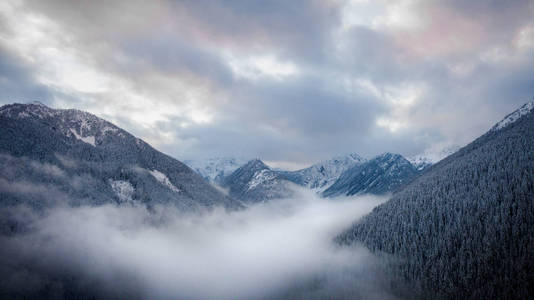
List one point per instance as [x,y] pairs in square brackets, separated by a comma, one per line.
[256,182]
[463,229]
[321,175]
[215,169]
[382,174]
[117,166]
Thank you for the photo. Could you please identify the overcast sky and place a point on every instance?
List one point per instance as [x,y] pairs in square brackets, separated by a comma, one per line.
[291,82]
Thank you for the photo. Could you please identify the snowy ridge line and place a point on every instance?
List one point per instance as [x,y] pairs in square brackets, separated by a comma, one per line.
[513,117]
[84,126]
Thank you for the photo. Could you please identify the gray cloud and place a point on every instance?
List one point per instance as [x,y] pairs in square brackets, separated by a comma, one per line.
[283,80]
[17,82]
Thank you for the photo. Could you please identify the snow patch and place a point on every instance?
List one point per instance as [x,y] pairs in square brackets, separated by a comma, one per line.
[87,139]
[260,177]
[84,119]
[163,179]
[516,115]
[24,114]
[123,189]
[107,129]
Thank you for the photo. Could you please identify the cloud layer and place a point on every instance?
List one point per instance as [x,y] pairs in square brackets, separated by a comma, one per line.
[280,249]
[283,80]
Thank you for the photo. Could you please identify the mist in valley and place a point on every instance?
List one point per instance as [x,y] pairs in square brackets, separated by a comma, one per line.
[280,249]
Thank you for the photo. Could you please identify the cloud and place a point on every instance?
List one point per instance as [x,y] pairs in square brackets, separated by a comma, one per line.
[17,82]
[285,80]
[282,248]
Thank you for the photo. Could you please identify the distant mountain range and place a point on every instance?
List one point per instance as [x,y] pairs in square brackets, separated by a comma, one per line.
[460,228]
[341,176]
[344,175]
[464,228]
[56,155]
[85,159]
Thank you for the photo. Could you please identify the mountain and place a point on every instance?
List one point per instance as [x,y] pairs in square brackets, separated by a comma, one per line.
[321,175]
[217,168]
[425,160]
[343,175]
[420,162]
[464,229]
[380,175]
[56,155]
[526,109]
[256,182]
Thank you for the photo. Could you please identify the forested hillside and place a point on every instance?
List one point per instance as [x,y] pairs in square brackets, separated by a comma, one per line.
[57,155]
[465,228]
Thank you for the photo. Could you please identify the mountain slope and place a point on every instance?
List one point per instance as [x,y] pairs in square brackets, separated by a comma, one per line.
[344,175]
[380,175]
[256,182]
[465,228]
[217,168]
[50,155]
[425,160]
[321,175]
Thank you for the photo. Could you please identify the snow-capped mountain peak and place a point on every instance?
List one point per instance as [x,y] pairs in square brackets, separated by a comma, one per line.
[257,182]
[432,156]
[323,174]
[216,168]
[516,115]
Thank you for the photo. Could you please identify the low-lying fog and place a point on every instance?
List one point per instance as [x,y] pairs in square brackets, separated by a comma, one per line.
[279,249]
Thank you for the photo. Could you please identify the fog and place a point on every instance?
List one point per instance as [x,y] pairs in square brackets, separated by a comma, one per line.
[280,249]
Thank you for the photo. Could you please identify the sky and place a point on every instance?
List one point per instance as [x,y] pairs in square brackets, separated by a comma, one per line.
[291,82]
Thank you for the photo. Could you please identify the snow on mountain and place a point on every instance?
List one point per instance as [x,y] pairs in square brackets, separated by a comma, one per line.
[215,169]
[430,157]
[257,182]
[261,177]
[72,123]
[513,117]
[464,228]
[382,174]
[420,162]
[88,139]
[123,189]
[321,175]
[163,179]
[101,163]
